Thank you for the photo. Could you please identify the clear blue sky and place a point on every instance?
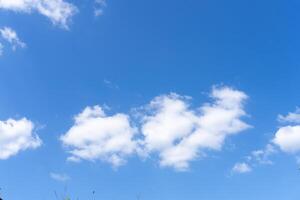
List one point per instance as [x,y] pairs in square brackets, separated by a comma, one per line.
[132,53]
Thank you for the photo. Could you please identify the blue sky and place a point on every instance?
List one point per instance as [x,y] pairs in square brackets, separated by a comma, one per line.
[163,99]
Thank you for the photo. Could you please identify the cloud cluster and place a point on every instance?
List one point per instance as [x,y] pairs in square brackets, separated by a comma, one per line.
[16,136]
[169,127]
[257,157]
[286,138]
[59,12]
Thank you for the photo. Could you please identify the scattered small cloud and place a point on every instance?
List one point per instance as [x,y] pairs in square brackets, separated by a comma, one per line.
[110,84]
[99,7]
[258,157]
[59,177]
[286,138]
[241,168]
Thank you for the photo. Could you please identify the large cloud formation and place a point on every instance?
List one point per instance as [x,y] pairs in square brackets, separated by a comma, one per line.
[169,127]
[16,136]
[59,12]
[179,133]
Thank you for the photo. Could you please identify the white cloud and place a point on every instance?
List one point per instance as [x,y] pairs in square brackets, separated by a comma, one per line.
[59,177]
[169,127]
[99,6]
[11,37]
[180,134]
[288,139]
[258,157]
[96,136]
[262,156]
[292,117]
[16,136]
[110,84]
[241,168]
[59,12]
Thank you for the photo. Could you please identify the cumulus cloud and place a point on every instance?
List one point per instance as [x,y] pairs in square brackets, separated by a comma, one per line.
[10,35]
[59,12]
[59,177]
[288,139]
[16,136]
[96,136]
[179,134]
[168,127]
[241,168]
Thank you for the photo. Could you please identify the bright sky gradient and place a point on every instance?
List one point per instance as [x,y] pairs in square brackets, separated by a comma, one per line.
[172,100]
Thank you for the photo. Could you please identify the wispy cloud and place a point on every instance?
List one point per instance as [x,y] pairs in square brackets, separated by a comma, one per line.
[11,36]
[110,84]
[59,177]
[241,168]
[59,12]
[99,7]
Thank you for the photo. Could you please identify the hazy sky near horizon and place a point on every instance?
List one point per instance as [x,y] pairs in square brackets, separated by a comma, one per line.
[154,99]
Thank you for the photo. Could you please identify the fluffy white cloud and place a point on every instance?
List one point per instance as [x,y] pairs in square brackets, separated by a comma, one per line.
[11,37]
[59,12]
[16,136]
[179,134]
[241,168]
[59,177]
[288,139]
[96,136]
